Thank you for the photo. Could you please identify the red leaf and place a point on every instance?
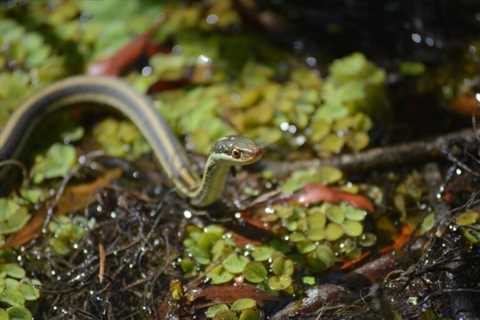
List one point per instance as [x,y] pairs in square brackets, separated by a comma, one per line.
[228,294]
[314,193]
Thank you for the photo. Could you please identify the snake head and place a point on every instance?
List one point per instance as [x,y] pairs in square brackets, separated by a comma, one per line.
[237,150]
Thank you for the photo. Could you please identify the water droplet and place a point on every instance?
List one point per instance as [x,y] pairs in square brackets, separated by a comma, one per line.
[284,126]
[269,210]
[203,59]
[300,140]
[212,19]
[147,70]
[412,301]
[416,38]
[311,61]
[187,214]
[292,129]
[430,41]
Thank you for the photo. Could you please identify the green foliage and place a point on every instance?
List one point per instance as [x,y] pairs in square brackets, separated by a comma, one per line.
[120,139]
[16,291]
[323,234]
[412,69]
[26,63]
[235,263]
[241,309]
[328,116]
[255,272]
[55,163]
[468,222]
[467,218]
[13,216]
[409,193]
[308,280]
[324,175]
[427,224]
[211,248]
[65,232]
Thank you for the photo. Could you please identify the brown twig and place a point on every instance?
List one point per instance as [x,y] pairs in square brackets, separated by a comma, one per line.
[101,262]
[380,157]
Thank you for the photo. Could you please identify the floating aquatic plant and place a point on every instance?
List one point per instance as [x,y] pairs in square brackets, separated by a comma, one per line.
[120,139]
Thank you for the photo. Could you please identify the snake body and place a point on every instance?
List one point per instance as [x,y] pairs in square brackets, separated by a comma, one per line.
[114,93]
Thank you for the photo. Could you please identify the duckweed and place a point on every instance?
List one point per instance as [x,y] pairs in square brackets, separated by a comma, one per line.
[338,227]
[58,160]
[66,231]
[468,222]
[241,309]
[16,292]
[120,139]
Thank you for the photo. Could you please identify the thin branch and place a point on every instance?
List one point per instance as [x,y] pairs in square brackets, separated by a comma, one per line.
[382,157]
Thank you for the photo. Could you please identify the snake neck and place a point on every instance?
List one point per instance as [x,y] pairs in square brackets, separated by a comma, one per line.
[213,182]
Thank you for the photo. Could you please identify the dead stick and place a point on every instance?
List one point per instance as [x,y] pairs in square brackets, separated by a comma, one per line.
[101,259]
[382,157]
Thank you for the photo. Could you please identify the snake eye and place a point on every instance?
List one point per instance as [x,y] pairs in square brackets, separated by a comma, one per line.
[236,153]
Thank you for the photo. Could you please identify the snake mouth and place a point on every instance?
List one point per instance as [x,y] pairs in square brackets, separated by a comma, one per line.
[254,155]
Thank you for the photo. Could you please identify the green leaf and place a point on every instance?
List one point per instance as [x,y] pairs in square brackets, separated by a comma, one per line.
[316,218]
[4,314]
[220,249]
[33,195]
[411,68]
[11,294]
[29,292]
[73,135]
[353,213]
[297,236]
[279,282]
[309,280]
[305,246]
[219,275]
[13,270]
[19,313]
[2,283]
[249,314]
[321,259]
[242,304]
[467,218]
[12,216]
[427,224]
[235,263]
[335,214]
[333,231]
[298,179]
[225,315]
[329,112]
[282,266]
[216,308]
[57,162]
[255,272]
[262,253]
[352,228]
[284,212]
[120,139]
[367,239]
[187,265]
